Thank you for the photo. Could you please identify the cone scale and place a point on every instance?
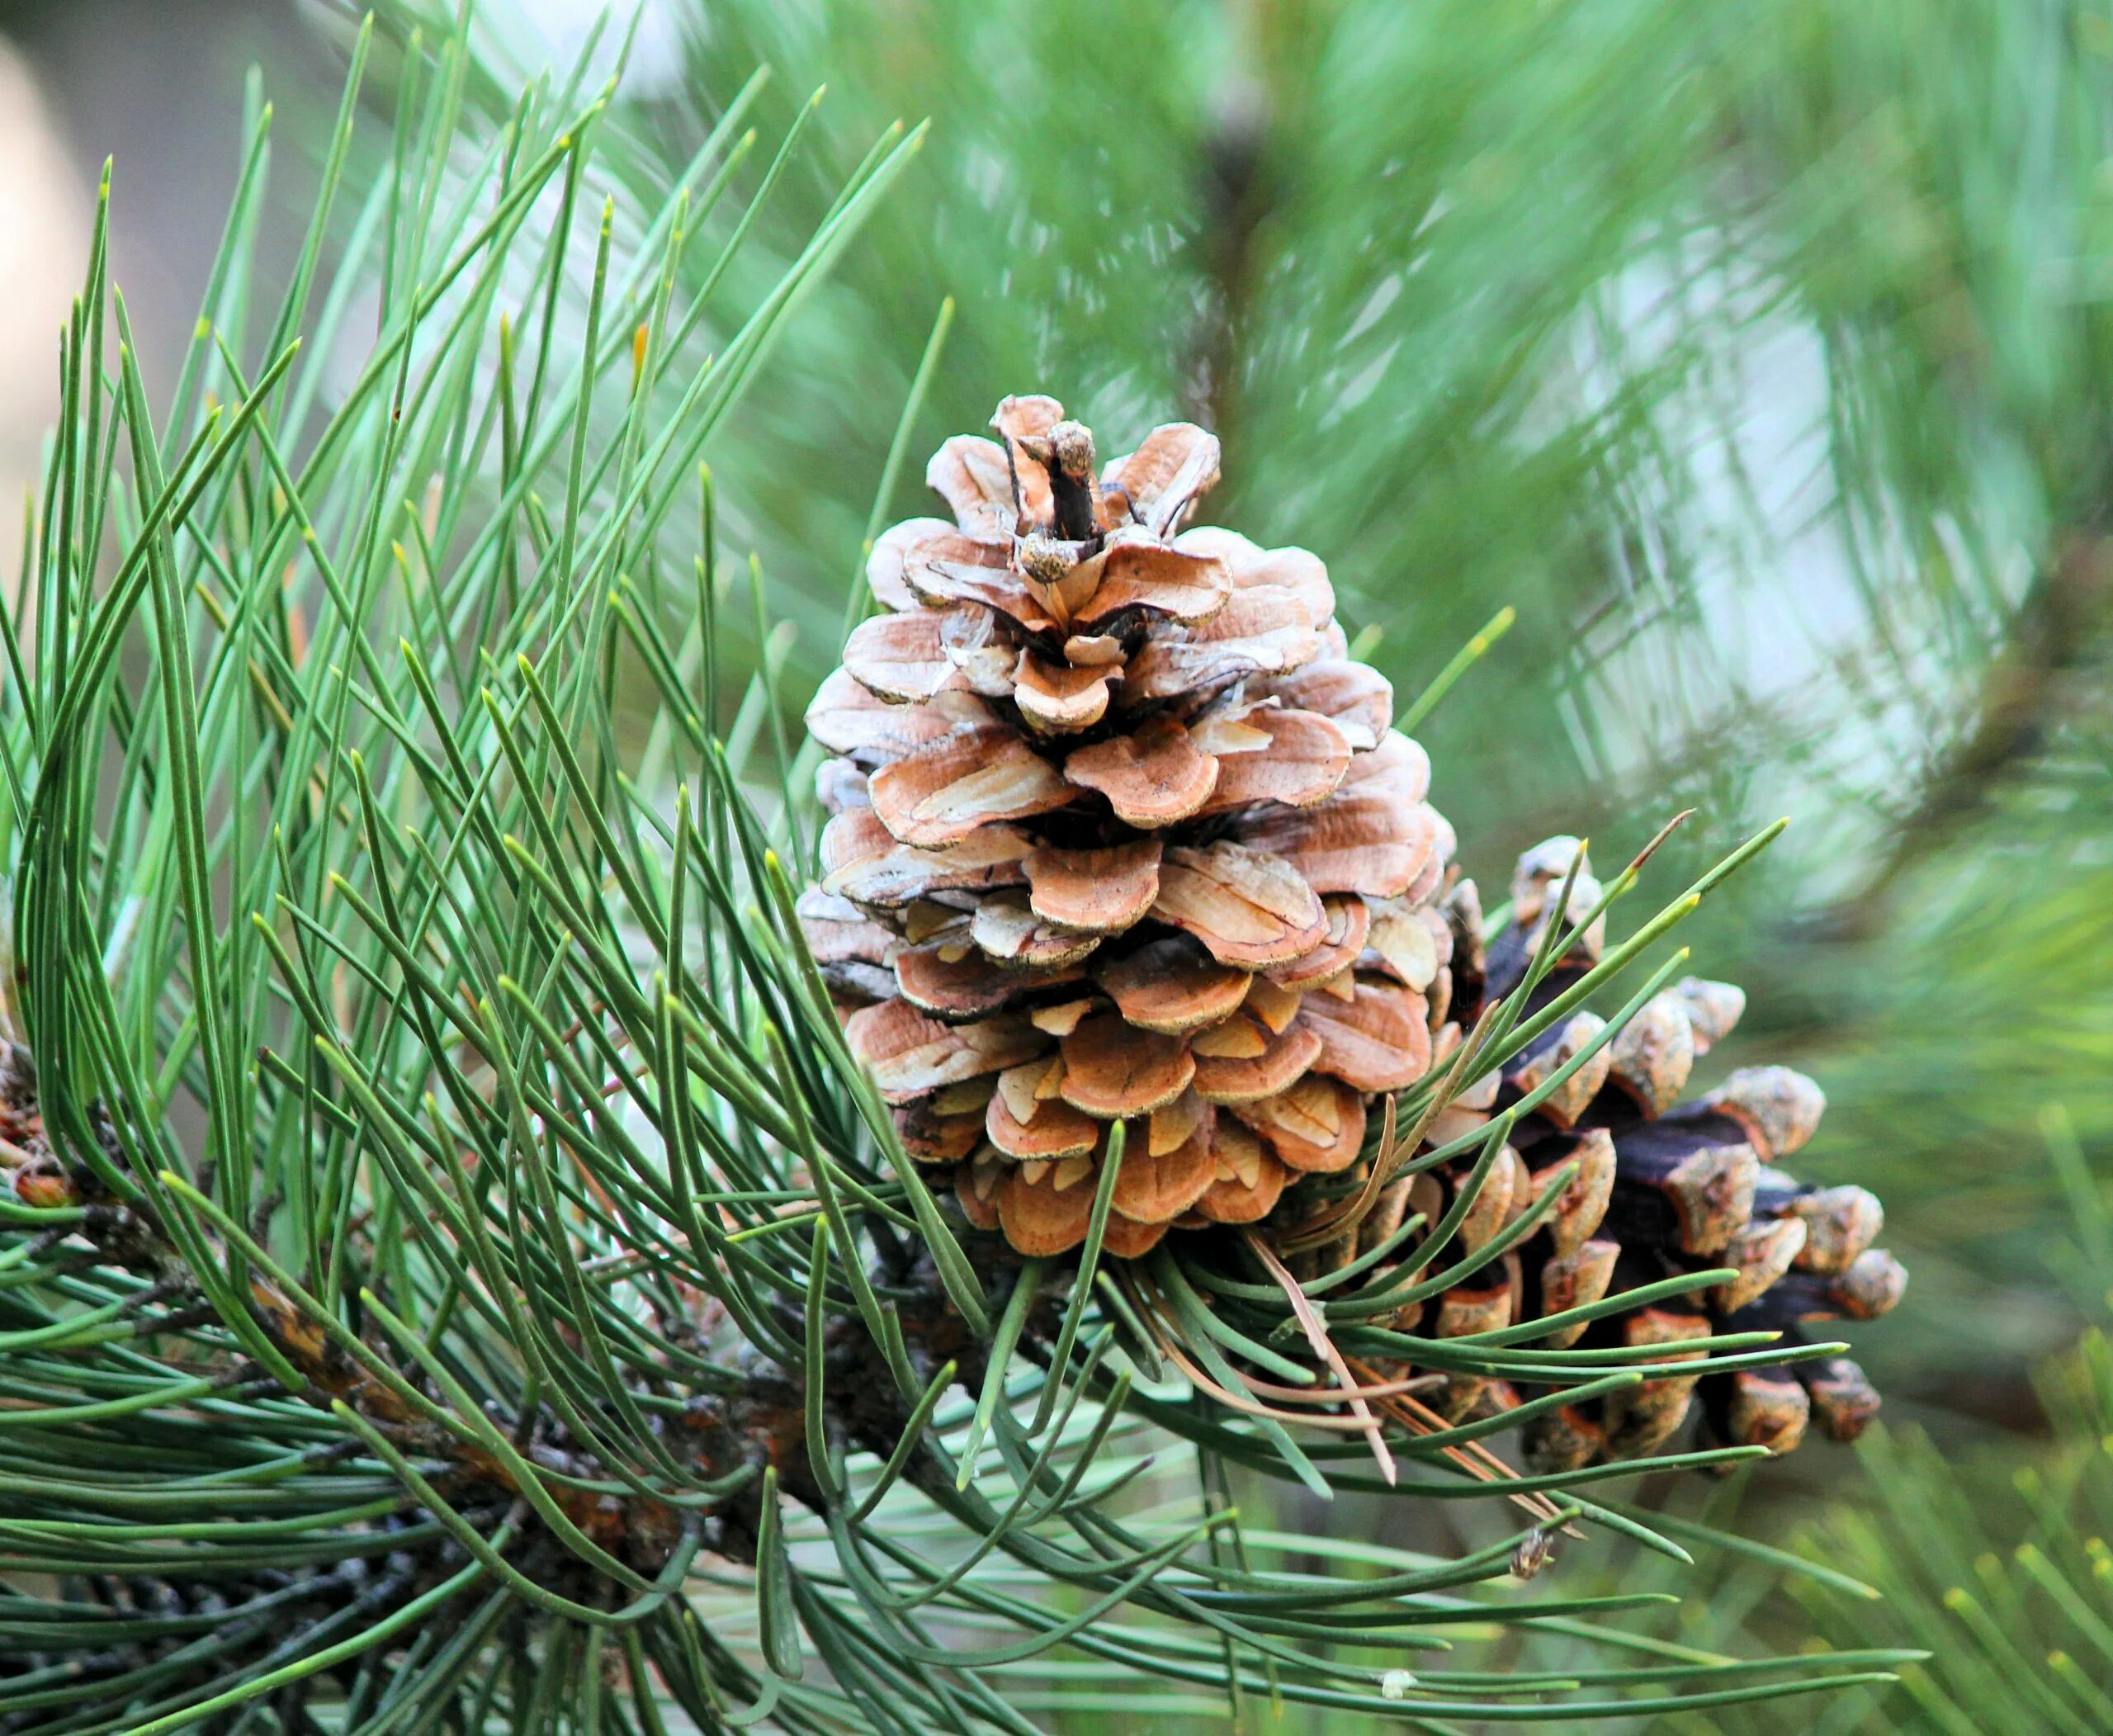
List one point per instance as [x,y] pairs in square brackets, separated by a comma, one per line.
[1120,833]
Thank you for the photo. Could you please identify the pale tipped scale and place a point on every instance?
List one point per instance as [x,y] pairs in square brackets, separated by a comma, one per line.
[1301,759]
[1349,922]
[1251,1063]
[941,794]
[1156,1187]
[1248,907]
[1377,1041]
[1113,1071]
[1151,778]
[1171,986]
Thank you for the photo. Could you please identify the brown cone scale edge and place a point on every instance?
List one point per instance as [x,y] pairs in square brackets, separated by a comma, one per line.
[1119,832]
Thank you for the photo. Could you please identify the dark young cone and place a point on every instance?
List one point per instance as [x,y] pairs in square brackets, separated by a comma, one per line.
[1118,833]
[1666,1184]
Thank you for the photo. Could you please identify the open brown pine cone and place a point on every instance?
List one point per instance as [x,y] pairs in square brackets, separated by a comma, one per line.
[1119,832]
[1663,1187]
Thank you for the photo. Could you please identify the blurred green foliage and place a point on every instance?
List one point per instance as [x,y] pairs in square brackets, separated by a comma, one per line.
[1994,1561]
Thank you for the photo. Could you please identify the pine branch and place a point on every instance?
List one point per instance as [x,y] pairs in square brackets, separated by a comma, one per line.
[454,1270]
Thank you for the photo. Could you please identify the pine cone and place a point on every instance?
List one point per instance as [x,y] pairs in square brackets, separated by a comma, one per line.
[1119,833]
[1663,1187]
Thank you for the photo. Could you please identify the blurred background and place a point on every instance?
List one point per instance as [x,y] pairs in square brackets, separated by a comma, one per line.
[1759,356]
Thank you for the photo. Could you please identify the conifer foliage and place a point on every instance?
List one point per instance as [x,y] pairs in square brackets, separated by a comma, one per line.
[459,1271]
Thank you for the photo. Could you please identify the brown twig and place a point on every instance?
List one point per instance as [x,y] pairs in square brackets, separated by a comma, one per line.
[1236,200]
[1323,1346]
[1418,1418]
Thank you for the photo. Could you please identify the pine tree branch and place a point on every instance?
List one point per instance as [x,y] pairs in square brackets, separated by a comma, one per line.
[2023,694]
[1237,196]
[763,1423]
